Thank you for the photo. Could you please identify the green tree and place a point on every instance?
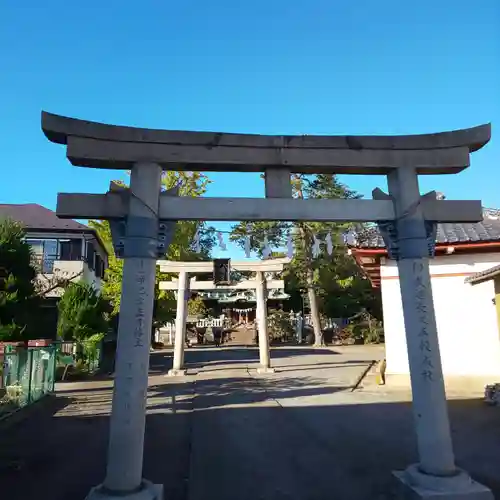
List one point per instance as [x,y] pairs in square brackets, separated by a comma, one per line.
[189,184]
[326,279]
[165,309]
[82,313]
[17,292]
[197,307]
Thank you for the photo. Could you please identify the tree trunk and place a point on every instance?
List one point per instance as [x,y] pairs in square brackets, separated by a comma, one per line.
[311,293]
[313,304]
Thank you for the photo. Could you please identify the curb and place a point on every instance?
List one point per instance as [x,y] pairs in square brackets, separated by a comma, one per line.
[365,372]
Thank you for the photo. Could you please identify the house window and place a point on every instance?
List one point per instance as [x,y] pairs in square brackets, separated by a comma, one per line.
[95,262]
[44,254]
[70,249]
[91,254]
[99,266]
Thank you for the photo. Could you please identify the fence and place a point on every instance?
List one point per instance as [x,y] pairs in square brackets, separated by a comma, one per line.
[326,323]
[27,375]
[208,322]
[167,333]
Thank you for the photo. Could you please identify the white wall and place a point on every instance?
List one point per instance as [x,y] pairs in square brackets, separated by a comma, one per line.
[89,276]
[73,270]
[466,318]
[77,270]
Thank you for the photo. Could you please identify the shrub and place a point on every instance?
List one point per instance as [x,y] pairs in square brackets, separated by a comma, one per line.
[364,329]
[82,313]
[279,326]
[17,301]
[196,307]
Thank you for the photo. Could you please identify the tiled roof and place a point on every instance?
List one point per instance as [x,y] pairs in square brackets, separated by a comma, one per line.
[486,231]
[35,217]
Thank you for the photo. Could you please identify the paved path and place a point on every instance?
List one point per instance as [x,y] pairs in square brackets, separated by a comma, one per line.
[242,335]
[226,433]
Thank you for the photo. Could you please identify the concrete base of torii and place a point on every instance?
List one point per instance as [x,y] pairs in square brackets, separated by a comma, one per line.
[414,484]
[262,370]
[177,373]
[148,491]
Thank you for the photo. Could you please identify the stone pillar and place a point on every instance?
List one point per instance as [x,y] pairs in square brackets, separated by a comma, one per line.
[180,326]
[128,414]
[265,362]
[298,327]
[436,471]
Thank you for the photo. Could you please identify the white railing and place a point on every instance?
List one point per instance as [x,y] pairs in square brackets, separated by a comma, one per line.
[210,322]
[202,323]
[167,332]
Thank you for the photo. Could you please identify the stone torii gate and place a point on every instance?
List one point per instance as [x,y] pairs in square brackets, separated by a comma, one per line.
[183,286]
[407,219]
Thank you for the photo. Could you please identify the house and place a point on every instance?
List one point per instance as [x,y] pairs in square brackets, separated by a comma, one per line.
[464,300]
[491,275]
[62,249]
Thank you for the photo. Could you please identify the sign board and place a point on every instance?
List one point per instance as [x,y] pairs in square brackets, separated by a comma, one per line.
[222,271]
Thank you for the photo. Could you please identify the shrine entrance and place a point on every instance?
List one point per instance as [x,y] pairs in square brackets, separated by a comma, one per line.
[144,219]
[184,285]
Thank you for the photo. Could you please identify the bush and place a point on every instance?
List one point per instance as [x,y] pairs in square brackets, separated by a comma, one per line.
[279,326]
[364,329]
[91,345]
[17,291]
[196,307]
[82,313]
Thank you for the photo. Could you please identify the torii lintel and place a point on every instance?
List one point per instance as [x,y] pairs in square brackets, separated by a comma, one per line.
[98,145]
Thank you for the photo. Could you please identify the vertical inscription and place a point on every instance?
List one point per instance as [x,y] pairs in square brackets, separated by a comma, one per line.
[130,393]
[139,326]
[421,294]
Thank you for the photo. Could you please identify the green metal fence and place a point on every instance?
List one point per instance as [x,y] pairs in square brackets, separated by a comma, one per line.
[27,375]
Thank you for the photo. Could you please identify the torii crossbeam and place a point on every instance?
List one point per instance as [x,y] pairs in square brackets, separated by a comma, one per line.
[407,221]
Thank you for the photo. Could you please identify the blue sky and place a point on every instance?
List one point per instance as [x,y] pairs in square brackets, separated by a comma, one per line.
[270,67]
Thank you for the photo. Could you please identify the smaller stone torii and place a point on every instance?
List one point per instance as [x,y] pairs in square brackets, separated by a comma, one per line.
[144,219]
[184,285]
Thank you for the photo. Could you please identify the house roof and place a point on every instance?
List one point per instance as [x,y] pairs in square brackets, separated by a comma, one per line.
[35,217]
[488,230]
[481,276]
[368,247]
